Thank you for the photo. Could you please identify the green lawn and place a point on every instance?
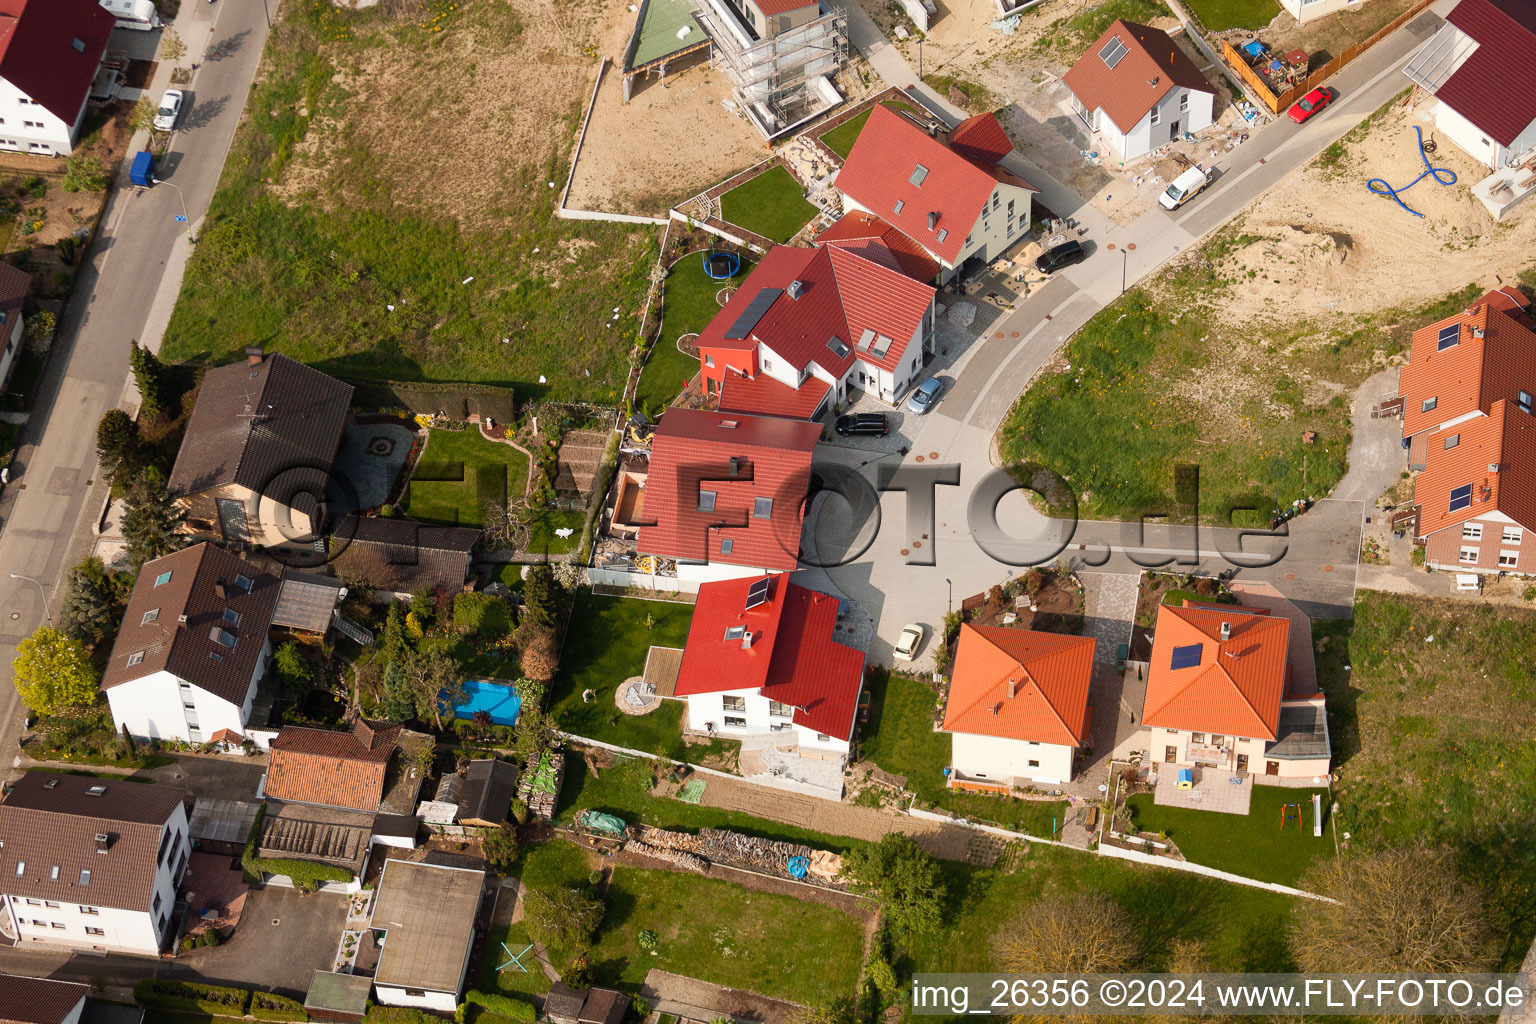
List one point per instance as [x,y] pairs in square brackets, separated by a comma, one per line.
[840,140]
[1069,36]
[688,305]
[1432,738]
[606,644]
[446,486]
[379,253]
[1242,928]
[900,739]
[1221,15]
[544,522]
[708,929]
[624,790]
[1254,846]
[770,204]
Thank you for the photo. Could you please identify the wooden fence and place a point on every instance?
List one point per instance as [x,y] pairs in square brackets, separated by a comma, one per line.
[1314,79]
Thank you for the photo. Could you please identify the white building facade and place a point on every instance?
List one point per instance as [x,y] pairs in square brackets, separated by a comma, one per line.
[1181,110]
[998,759]
[28,127]
[162,706]
[735,714]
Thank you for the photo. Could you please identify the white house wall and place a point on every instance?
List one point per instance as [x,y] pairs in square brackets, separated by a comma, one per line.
[706,710]
[441,1002]
[153,707]
[990,236]
[995,758]
[11,351]
[27,127]
[1146,136]
[1481,147]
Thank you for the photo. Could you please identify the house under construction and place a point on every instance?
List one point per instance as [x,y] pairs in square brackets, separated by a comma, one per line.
[779,54]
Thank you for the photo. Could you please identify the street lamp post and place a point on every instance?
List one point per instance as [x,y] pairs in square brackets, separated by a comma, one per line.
[41,590]
[183,198]
[919,58]
[951,601]
[1125,259]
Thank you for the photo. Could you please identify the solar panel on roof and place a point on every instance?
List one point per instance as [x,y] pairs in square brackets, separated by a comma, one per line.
[1450,335]
[757,593]
[1114,51]
[1186,657]
[755,311]
[838,346]
[865,338]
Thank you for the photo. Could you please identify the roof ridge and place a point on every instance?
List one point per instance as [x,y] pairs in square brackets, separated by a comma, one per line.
[981,695]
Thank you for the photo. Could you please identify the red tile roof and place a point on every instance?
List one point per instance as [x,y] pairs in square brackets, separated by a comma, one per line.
[1505,438]
[856,229]
[772,7]
[1470,375]
[793,658]
[1513,302]
[692,451]
[981,138]
[1495,87]
[1153,65]
[1234,686]
[38,55]
[768,397]
[1019,684]
[326,766]
[879,170]
[843,294]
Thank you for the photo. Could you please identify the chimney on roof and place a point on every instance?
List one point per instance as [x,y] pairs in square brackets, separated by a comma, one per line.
[1493,467]
[254,354]
[181,619]
[220,591]
[997,708]
[735,465]
[1226,630]
[1477,332]
[746,640]
[794,289]
[1013,687]
[364,732]
[103,842]
[933,219]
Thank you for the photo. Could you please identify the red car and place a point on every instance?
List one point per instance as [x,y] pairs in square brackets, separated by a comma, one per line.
[1310,104]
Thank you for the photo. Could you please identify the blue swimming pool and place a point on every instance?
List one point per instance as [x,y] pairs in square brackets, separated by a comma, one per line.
[499,699]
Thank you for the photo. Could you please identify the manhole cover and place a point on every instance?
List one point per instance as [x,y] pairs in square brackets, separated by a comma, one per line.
[381,446]
[919,458]
[933,455]
[1015,334]
[1290,575]
[15,615]
[999,334]
[275,922]
[1130,247]
[1110,247]
[917,543]
[904,551]
[1327,568]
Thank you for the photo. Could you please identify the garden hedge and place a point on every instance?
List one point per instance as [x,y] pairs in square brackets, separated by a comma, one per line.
[509,1007]
[398,1015]
[164,994]
[271,1006]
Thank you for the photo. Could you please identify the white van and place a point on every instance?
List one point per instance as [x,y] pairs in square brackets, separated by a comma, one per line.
[1184,186]
[135,14]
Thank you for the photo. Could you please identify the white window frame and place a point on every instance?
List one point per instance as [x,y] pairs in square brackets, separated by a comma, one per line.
[1509,559]
[1513,535]
[1156,117]
[1467,556]
[1471,531]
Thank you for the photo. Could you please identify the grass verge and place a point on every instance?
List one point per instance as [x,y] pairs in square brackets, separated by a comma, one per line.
[446,485]
[1221,15]
[688,305]
[1255,845]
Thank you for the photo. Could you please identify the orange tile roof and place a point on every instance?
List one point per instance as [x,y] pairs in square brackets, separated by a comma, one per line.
[765,396]
[1234,686]
[1470,375]
[1505,438]
[1018,684]
[1153,64]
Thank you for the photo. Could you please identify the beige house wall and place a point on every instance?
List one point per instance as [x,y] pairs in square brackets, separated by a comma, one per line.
[270,523]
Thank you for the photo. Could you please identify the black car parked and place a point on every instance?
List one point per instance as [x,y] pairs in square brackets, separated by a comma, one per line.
[1060,258]
[863,423]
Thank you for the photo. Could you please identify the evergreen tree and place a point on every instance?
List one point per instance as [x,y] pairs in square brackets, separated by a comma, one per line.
[149,375]
[399,704]
[93,604]
[541,597]
[393,645]
[117,441]
[151,518]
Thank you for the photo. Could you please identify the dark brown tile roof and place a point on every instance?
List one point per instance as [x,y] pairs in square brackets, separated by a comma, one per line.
[37,1000]
[402,554]
[255,424]
[604,1006]
[1153,64]
[192,650]
[327,835]
[489,786]
[51,820]
[337,769]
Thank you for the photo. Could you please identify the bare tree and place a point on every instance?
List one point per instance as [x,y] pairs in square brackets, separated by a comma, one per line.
[142,117]
[1081,932]
[172,47]
[1402,910]
[502,524]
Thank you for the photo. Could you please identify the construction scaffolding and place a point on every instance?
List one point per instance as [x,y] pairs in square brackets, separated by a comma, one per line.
[785,79]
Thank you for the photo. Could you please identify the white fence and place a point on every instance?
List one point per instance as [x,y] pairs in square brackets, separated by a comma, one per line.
[1201,869]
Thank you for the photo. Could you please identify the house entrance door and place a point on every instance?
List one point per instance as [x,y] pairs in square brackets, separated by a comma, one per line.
[1173,132]
[1242,762]
[1271,767]
[1170,754]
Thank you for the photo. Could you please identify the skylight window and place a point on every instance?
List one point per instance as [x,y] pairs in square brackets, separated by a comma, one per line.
[224,637]
[838,346]
[163,578]
[85,876]
[882,345]
[135,658]
[150,616]
[943,234]
[1113,52]
[898,207]
[735,632]
[726,546]
[762,508]
[1461,497]
[707,501]
[232,617]
[918,174]
[865,339]
[1452,441]
[1187,656]
[1450,336]
[244,583]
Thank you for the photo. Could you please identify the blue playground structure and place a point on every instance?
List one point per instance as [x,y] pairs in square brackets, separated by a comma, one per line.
[721,265]
[1430,170]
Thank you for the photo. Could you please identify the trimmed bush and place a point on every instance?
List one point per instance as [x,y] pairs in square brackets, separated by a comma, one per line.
[503,1005]
[399,1015]
[164,994]
[271,1006]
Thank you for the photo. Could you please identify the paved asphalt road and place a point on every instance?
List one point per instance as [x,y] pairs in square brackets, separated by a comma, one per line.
[54,496]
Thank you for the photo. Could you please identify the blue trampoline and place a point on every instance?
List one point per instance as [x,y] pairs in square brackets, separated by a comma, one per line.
[721,265]
[499,699]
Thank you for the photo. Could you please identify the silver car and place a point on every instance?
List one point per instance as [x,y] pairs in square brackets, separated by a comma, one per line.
[170,110]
